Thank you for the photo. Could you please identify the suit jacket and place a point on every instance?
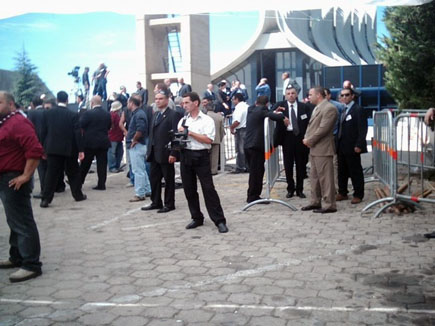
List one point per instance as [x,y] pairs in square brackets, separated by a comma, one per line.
[320,130]
[61,134]
[208,94]
[353,132]
[159,136]
[304,115]
[218,126]
[36,116]
[96,124]
[186,88]
[254,138]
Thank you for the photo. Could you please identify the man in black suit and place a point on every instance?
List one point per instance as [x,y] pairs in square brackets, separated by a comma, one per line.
[63,144]
[254,144]
[291,137]
[95,124]
[209,92]
[351,143]
[161,157]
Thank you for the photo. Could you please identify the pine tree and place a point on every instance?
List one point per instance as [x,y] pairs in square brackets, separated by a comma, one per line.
[409,55]
[27,84]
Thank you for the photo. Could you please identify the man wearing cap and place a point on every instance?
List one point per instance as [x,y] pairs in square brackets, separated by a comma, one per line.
[161,157]
[95,124]
[116,135]
[20,152]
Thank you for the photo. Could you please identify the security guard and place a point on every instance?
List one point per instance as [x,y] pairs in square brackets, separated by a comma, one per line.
[195,163]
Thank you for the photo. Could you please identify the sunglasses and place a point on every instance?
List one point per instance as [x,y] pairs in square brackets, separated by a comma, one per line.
[344,95]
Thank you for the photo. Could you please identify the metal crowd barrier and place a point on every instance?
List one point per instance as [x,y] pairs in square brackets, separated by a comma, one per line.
[271,166]
[403,144]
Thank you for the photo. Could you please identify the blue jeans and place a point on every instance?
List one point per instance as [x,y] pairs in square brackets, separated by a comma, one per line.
[24,237]
[142,184]
[114,155]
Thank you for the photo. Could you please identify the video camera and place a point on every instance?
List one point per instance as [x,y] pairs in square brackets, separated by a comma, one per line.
[75,74]
[179,139]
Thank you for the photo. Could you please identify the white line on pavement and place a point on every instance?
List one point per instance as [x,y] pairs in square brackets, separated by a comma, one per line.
[106,222]
[91,305]
[140,227]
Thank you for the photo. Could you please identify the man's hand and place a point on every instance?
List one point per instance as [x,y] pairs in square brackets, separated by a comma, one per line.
[429,117]
[181,129]
[279,109]
[232,130]
[17,182]
[286,121]
[172,159]
[133,143]
[81,156]
[357,150]
[305,142]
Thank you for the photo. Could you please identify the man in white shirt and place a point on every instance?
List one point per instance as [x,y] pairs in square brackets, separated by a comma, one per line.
[195,163]
[238,128]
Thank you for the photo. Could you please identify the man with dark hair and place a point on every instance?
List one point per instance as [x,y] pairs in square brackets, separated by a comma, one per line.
[95,124]
[136,141]
[238,128]
[20,153]
[254,144]
[290,137]
[351,143]
[319,139]
[142,92]
[161,157]
[63,144]
[195,164]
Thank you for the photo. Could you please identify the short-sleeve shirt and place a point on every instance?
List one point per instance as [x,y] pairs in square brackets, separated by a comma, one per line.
[240,113]
[203,125]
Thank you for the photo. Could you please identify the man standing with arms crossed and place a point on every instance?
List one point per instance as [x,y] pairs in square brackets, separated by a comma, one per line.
[319,139]
[20,153]
[195,163]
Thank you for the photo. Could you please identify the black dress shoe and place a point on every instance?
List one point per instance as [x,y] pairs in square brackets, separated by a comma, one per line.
[222,228]
[325,210]
[165,209]
[300,194]
[289,194]
[99,188]
[151,207]
[37,196]
[61,189]
[311,207]
[194,224]
[84,197]
[44,203]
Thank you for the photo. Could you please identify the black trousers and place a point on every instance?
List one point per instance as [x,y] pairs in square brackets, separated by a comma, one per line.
[167,172]
[56,164]
[255,160]
[196,164]
[24,237]
[349,166]
[101,157]
[294,151]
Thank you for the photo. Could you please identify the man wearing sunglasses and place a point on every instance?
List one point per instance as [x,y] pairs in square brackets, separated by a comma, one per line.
[351,143]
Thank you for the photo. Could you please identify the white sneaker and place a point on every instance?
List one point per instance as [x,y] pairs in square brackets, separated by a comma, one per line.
[129,185]
[23,275]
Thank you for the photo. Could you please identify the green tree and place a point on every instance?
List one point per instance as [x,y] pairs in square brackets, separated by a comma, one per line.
[409,55]
[27,84]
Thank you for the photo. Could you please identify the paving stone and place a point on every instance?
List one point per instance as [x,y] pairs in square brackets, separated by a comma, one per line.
[130,321]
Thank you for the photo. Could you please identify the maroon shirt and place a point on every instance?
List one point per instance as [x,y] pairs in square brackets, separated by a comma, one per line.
[18,142]
[115,133]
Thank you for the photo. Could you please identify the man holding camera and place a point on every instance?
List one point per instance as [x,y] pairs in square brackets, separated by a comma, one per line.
[195,163]
[161,157]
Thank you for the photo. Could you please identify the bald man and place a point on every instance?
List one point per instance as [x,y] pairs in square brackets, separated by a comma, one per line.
[96,124]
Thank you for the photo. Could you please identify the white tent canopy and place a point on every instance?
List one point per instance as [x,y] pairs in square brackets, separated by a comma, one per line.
[135,7]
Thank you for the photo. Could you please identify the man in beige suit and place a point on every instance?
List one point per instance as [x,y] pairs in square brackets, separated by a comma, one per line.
[320,140]
[218,119]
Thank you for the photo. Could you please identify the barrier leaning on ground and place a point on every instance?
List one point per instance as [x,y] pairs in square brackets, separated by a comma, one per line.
[271,166]
[403,146]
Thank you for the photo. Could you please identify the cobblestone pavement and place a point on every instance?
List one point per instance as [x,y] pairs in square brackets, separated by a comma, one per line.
[106,262]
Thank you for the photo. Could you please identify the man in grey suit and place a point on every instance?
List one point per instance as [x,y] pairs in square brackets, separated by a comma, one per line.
[319,139]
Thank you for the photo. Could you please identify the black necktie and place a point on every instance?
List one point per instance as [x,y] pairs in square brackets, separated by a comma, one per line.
[294,121]
[158,118]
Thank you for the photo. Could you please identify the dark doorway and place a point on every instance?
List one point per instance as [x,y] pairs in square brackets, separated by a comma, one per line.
[266,68]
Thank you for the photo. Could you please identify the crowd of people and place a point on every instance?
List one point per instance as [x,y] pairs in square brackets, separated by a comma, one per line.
[181,127]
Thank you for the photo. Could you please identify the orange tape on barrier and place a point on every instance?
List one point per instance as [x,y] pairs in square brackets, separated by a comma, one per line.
[415,199]
[414,115]
[267,155]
